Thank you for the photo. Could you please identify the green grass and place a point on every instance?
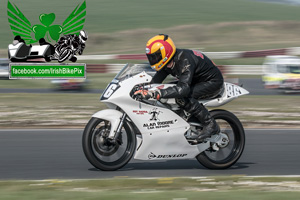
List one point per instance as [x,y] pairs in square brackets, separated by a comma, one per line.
[75,109]
[95,81]
[227,188]
[116,15]
[117,26]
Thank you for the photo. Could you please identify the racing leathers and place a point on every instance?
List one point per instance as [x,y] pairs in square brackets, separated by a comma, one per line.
[198,78]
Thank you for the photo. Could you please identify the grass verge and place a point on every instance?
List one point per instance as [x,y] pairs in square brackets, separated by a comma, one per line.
[235,187]
[75,109]
[95,81]
[106,17]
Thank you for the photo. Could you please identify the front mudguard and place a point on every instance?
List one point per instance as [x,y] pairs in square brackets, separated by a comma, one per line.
[113,116]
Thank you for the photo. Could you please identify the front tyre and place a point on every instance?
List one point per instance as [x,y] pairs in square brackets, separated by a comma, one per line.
[64,54]
[103,154]
[228,155]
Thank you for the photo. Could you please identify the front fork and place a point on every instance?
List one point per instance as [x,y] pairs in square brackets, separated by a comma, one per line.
[113,137]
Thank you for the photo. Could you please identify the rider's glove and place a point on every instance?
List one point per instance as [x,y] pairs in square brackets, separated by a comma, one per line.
[146,94]
[156,94]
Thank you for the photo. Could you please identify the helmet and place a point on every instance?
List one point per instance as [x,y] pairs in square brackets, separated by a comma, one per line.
[83,36]
[160,50]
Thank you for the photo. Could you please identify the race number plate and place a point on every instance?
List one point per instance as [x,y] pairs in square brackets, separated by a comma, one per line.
[111,88]
[232,90]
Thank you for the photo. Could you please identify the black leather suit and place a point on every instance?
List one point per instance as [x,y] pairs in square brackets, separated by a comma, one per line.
[198,77]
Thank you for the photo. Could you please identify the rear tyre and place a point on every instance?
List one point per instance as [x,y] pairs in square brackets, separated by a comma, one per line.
[100,152]
[229,155]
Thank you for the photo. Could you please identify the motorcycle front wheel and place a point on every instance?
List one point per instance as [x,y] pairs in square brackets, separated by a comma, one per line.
[228,155]
[101,152]
[64,54]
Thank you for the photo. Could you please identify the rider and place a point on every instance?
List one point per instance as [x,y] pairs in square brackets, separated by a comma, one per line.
[198,78]
[19,39]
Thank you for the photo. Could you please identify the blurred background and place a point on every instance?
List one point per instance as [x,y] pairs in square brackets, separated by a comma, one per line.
[256,43]
[236,34]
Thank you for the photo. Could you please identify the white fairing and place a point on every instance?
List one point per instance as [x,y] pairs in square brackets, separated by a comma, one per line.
[112,116]
[162,130]
[230,92]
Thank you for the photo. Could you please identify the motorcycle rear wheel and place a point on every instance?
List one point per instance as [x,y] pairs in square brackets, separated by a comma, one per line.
[228,156]
[100,152]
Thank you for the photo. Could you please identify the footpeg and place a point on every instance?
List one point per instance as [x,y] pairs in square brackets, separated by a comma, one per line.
[218,141]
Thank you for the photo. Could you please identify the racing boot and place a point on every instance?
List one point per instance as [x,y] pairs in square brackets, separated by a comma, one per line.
[210,127]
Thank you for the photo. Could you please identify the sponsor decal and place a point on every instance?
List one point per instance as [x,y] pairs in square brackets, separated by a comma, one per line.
[165,59]
[198,53]
[158,125]
[140,112]
[154,114]
[155,122]
[160,87]
[153,156]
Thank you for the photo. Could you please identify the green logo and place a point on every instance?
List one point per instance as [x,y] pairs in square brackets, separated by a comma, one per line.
[20,25]
[43,71]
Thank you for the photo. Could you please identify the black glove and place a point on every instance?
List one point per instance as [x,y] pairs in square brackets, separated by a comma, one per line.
[146,94]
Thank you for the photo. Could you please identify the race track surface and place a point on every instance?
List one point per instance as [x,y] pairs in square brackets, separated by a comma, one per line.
[49,154]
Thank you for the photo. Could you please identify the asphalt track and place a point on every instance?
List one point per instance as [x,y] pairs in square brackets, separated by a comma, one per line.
[254,86]
[51,154]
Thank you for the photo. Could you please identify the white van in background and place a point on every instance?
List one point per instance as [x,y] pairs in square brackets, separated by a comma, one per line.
[282,72]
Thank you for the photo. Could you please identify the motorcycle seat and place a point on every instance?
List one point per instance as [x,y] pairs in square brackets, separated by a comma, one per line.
[215,96]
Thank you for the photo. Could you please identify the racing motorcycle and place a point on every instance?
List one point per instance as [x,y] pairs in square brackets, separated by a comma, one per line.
[158,130]
[64,52]
[68,46]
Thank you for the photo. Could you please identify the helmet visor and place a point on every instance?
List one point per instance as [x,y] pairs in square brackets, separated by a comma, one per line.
[154,57]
